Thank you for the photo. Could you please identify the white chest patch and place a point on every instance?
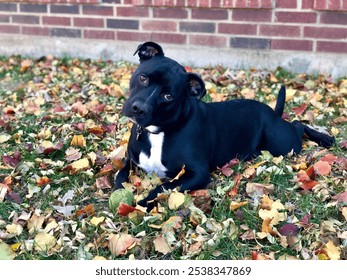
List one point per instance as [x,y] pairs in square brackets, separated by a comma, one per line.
[153,162]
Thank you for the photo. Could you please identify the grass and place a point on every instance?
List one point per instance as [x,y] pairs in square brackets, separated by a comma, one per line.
[52,100]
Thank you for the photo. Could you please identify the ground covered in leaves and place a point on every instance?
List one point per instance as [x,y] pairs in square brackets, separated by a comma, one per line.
[62,140]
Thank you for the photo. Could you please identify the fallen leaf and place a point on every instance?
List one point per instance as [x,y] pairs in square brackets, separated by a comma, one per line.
[332,251]
[44,242]
[79,165]
[95,221]
[288,229]
[322,168]
[120,243]
[161,245]
[300,110]
[274,211]
[78,141]
[236,205]
[176,199]
[179,175]
[6,252]
[341,197]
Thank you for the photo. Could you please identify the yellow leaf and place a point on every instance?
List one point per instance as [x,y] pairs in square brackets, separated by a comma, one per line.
[276,213]
[44,242]
[290,94]
[335,131]
[236,205]
[14,229]
[176,199]
[80,164]
[95,221]
[161,245]
[332,251]
[15,246]
[6,253]
[78,140]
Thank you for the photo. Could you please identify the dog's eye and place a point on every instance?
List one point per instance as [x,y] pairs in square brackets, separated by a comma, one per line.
[167,97]
[143,79]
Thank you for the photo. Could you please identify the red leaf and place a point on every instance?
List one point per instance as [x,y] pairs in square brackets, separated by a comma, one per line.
[237,179]
[311,173]
[343,144]
[322,168]
[125,209]
[329,158]
[306,182]
[288,229]
[299,110]
[12,161]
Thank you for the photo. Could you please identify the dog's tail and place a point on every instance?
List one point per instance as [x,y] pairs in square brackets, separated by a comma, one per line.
[281,99]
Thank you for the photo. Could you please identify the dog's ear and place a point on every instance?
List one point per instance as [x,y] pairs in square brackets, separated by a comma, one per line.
[196,85]
[148,50]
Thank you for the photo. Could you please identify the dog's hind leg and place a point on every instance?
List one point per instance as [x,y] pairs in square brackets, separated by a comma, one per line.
[320,138]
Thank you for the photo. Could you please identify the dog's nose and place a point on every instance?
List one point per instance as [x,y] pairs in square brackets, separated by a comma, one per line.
[139,109]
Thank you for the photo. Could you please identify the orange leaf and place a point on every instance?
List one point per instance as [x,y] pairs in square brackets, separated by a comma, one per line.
[42,181]
[299,110]
[86,211]
[236,205]
[180,174]
[78,140]
[322,168]
[267,227]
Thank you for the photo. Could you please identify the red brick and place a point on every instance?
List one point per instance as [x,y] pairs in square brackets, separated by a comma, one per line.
[251,15]
[99,34]
[216,3]
[307,4]
[334,5]
[133,11]
[286,4]
[216,14]
[90,22]
[333,18]
[9,29]
[25,19]
[192,3]
[170,13]
[98,10]
[320,4]
[279,30]
[169,38]
[164,2]
[159,25]
[240,4]
[133,36]
[294,45]
[34,30]
[344,6]
[204,3]
[296,17]
[234,28]
[336,47]
[325,32]
[47,20]
[227,3]
[208,40]
[4,18]
[254,3]
[266,4]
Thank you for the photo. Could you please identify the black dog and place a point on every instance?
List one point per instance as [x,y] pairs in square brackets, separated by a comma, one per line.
[174,128]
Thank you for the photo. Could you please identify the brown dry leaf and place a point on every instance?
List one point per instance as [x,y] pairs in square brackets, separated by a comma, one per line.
[266,227]
[35,223]
[78,141]
[120,243]
[161,245]
[266,202]
[257,189]
[42,181]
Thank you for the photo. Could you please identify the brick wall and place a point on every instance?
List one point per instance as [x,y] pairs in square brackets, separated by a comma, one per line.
[315,26]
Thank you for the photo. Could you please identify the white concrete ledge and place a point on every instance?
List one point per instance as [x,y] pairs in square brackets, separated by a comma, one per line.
[328,64]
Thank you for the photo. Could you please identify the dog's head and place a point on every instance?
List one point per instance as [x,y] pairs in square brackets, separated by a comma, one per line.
[160,89]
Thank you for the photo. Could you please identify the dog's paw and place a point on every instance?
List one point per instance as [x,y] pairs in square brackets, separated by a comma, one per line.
[327,141]
[146,204]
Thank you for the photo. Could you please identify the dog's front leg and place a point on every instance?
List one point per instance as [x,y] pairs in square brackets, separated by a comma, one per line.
[192,180]
[123,175]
